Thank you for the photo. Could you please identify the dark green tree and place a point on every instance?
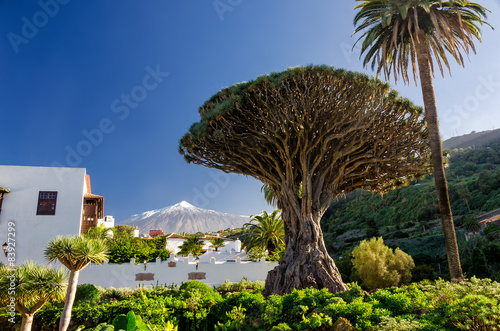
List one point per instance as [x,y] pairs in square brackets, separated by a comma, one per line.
[398,34]
[192,245]
[312,134]
[479,265]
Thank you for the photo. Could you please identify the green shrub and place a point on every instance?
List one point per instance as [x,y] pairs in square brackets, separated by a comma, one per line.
[281,327]
[397,324]
[398,303]
[195,284]
[315,322]
[118,294]
[438,305]
[104,327]
[379,266]
[86,292]
[243,284]
[474,312]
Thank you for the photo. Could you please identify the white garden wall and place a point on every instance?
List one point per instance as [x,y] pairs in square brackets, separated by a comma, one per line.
[125,274]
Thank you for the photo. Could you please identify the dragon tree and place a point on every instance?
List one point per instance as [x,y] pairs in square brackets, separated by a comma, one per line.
[311,134]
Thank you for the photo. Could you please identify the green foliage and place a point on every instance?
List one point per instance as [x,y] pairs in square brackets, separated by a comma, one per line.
[281,327]
[123,247]
[378,266]
[243,284]
[480,257]
[439,305]
[470,194]
[195,284]
[473,312]
[112,293]
[492,231]
[397,324]
[104,327]
[86,292]
[235,319]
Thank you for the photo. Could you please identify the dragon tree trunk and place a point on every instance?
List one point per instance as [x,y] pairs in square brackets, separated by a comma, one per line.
[306,262]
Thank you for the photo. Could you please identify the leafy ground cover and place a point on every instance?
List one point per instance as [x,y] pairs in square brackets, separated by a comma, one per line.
[438,305]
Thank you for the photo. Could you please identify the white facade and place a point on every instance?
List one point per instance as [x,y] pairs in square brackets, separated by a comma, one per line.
[31,231]
[108,222]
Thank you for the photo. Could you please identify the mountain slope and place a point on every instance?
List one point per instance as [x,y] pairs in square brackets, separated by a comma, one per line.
[473,139]
[184,217]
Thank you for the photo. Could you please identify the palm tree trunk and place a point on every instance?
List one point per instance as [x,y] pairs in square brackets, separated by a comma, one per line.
[68,302]
[437,158]
[26,322]
[306,262]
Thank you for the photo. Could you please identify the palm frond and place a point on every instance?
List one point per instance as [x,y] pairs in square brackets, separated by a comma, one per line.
[389,31]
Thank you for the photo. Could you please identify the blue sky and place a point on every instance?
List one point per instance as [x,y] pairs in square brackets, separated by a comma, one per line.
[113,85]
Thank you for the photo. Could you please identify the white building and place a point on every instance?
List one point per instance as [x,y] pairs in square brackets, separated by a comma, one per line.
[174,241]
[108,222]
[39,203]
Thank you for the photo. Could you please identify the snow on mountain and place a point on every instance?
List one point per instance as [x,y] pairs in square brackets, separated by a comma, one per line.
[184,217]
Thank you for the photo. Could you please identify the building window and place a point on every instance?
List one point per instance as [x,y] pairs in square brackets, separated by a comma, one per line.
[46,203]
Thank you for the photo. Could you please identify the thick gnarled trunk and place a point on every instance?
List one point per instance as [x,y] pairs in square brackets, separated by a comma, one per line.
[306,262]
[431,118]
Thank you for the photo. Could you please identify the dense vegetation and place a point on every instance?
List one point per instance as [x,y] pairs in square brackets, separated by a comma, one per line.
[123,247]
[408,217]
[427,305]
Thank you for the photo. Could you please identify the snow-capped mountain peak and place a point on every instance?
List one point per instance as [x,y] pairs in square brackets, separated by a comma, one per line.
[184,217]
[185,205]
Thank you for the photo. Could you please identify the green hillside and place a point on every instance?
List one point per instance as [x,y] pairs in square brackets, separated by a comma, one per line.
[473,139]
[409,217]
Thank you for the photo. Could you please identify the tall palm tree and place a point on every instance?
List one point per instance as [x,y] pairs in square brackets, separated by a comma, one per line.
[75,253]
[35,285]
[266,233]
[400,33]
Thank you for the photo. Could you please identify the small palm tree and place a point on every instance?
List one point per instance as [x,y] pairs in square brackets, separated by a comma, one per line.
[75,253]
[35,285]
[192,245]
[470,224]
[402,33]
[267,233]
[217,243]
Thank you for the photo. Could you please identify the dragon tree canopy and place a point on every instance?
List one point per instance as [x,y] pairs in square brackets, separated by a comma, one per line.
[317,109]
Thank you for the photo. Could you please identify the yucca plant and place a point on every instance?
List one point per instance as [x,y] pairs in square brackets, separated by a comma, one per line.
[75,253]
[35,285]
[398,34]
